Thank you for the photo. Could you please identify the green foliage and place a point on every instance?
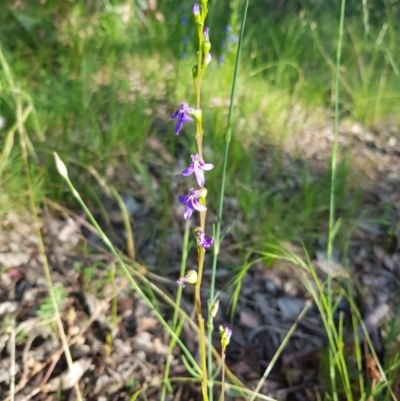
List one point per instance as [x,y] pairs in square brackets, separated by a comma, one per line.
[46,310]
[99,80]
[104,78]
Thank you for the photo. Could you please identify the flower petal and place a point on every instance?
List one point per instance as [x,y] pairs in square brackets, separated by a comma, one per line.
[198,172]
[178,126]
[196,205]
[203,241]
[188,171]
[188,213]
[183,198]
[185,119]
[207,166]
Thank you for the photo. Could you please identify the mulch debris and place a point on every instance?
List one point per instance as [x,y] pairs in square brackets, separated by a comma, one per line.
[117,356]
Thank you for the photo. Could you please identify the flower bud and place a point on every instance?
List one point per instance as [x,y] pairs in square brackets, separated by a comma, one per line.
[206,47]
[225,334]
[190,277]
[195,71]
[62,169]
[214,309]
[196,13]
[206,34]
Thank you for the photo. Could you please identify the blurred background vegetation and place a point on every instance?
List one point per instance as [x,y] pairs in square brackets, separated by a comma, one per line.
[98,80]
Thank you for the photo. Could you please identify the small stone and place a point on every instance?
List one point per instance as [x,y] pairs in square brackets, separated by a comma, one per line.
[290,307]
[270,287]
[291,288]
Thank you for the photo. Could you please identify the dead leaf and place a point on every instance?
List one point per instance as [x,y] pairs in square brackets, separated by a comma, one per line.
[14,259]
[143,342]
[68,233]
[248,319]
[147,324]
[69,378]
[333,267]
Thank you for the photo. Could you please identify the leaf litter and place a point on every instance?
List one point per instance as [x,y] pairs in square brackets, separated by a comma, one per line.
[112,362]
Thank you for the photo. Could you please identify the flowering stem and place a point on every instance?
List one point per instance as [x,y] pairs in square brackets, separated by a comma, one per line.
[201,250]
[223,375]
[202,335]
[199,140]
[197,81]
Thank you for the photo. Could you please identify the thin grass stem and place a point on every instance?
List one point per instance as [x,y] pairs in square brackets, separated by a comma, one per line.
[331,323]
[223,184]
[279,351]
[175,316]
[114,252]
[226,154]
[41,246]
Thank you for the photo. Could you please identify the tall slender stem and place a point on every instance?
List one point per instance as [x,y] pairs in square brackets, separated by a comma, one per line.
[335,151]
[200,250]
[331,233]
[222,191]
[228,138]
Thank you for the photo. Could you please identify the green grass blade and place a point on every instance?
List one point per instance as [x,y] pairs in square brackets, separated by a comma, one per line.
[331,233]
[223,183]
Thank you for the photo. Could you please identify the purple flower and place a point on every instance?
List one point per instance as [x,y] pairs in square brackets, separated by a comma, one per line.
[233,38]
[203,241]
[225,334]
[196,9]
[206,33]
[198,167]
[182,116]
[227,331]
[192,203]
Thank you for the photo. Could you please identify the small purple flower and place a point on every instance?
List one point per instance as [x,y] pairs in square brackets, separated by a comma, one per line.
[196,9]
[233,38]
[225,334]
[203,241]
[183,117]
[198,167]
[227,331]
[192,203]
[206,33]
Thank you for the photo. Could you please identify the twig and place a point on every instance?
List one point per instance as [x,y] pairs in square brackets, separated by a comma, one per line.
[12,367]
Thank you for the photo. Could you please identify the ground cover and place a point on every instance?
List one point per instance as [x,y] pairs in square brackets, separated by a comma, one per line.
[97,83]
